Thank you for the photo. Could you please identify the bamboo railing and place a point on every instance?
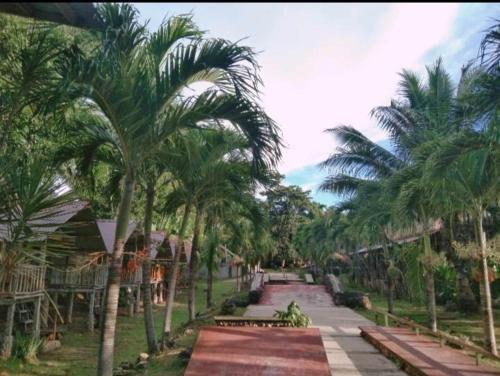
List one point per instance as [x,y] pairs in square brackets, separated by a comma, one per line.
[23,280]
[89,277]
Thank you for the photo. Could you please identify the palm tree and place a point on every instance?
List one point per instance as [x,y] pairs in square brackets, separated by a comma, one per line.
[137,106]
[206,169]
[422,114]
[466,167]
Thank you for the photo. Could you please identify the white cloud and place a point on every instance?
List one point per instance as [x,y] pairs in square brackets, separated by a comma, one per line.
[324,64]
[337,78]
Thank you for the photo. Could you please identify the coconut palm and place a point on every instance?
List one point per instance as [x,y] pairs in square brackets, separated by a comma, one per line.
[466,167]
[133,83]
[423,113]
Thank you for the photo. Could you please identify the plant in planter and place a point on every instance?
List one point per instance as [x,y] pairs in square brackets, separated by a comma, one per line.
[294,315]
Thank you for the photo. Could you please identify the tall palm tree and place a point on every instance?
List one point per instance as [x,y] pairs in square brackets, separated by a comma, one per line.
[423,113]
[466,166]
[206,169]
[133,83]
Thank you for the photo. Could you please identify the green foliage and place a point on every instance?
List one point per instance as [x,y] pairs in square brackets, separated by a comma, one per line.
[26,347]
[294,315]
[288,207]
[446,286]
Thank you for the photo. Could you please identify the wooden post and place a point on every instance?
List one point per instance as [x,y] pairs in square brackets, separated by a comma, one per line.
[417,331]
[237,278]
[386,320]
[36,317]
[6,350]
[138,299]
[155,294]
[160,294]
[478,357]
[69,315]
[91,312]
[130,299]
[45,312]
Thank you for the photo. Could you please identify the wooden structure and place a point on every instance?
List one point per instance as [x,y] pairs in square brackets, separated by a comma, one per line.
[81,271]
[442,337]
[420,355]
[73,14]
[21,287]
[309,279]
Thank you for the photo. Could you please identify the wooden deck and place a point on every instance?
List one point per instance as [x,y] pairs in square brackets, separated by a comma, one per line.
[421,355]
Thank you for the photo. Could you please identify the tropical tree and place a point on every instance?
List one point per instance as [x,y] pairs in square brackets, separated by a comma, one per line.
[207,169]
[466,164]
[422,114]
[132,83]
[288,208]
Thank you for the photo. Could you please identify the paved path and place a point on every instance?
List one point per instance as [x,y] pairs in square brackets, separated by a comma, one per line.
[348,354]
[252,351]
[422,354]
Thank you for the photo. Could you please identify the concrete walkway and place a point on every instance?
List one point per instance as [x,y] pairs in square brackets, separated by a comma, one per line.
[348,354]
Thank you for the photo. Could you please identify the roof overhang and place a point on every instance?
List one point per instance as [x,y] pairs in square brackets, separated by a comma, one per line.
[73,14]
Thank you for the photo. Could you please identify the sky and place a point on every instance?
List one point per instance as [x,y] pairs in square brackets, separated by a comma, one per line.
[329,64]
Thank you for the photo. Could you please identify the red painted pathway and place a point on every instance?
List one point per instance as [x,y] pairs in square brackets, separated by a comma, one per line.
[249,351]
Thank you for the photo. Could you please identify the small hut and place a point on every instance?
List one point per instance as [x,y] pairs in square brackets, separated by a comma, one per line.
[83,271]
[23,280]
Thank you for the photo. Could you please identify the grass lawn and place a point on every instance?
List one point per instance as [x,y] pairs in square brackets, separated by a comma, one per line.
[456,323]
[78,355]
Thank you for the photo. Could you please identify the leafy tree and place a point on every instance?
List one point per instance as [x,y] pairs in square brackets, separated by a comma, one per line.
[288,207]
[132,83]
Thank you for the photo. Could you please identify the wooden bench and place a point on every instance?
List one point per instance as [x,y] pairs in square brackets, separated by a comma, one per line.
[309,279]
[250,321]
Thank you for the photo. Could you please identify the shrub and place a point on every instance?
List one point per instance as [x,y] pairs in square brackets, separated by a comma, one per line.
[294,315]
[27,347]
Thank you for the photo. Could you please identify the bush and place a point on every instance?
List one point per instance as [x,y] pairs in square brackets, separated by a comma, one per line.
[27,347]
[445,281]
[294,315]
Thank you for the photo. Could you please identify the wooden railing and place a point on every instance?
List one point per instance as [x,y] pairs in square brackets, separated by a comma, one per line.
[131,277]
[23,280]
[90,277]
[442,336]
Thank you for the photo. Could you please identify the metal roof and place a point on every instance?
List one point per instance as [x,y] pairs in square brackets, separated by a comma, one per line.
[73,14]
[48,220]
[107,228]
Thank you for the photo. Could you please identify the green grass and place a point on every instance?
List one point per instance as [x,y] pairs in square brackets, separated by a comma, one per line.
[78,355]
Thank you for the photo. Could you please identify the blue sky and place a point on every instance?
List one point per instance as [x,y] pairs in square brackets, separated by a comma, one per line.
[330,64]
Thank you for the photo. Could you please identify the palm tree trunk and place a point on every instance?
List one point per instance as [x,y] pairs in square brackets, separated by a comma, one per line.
[489,325]
[193,264]
[429,278]
[107,337]
[210,281]
[390,280]
[167,323]
[146,272]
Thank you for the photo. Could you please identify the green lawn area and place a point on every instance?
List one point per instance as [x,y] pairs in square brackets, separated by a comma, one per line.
[456,323]
[78,355]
